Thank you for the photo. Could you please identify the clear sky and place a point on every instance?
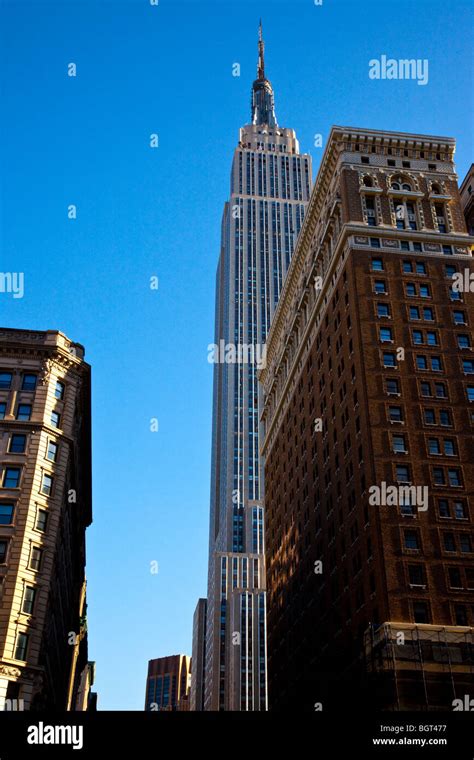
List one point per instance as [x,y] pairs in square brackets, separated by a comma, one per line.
[85,140]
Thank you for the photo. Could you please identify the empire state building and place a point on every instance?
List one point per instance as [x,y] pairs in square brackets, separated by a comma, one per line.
[270,189]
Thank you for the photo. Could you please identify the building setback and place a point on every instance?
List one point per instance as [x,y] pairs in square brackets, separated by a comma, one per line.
[270,187]
[45,508]
[369,388]
[199,656]
[168,683]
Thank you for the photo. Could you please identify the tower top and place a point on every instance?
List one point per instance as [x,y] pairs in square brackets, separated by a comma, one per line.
[263,104]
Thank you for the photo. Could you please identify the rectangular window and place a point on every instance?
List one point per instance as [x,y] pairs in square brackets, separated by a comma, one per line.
[443,508]
[41,520]
[11,478]
[416,575]
[417,337]
[375,243]
[383,310]
[377,264]
[428,314]
[21,646]
[389,359]
[17,444]
[455,577]
[464,341]
[465,543]
[28,383]
[59,390]
[379,287]
[393,387]
[414,312]
[420,267]
[470,392]
[459,317]
[386,335]
[47,484]
[449,447]
[454,475]
[425,389]
[460,510]
[421,612]
[449,544]
[52,452]
[438,476]
[402,473]
[468,366]
[411,539]
[407,266]
[55,419]
[398,442]
[460,613]
[29,600]
[3,409]
[436,364]
[425,291]
[395,413]
[410,289]
[23,412]
[36,558]
[440,390]
[431,338]
[445,418]
[6,513]
[421,362]
[433,446]
[3,551]
[5,380]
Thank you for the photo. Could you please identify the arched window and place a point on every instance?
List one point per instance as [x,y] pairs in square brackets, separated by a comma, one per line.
[395,186]
[368,182]
[406,186]
[435,189]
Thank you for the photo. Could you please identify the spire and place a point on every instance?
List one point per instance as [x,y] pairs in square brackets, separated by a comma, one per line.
[263,106]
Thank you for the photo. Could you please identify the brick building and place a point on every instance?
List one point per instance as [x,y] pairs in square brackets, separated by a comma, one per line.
[368,418]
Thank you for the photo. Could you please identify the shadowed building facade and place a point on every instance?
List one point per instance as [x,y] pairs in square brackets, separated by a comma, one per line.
[168,683]
[45,508]
[270,187]
[368,447]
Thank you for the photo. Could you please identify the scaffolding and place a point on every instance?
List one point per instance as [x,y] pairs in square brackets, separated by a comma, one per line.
[419,666]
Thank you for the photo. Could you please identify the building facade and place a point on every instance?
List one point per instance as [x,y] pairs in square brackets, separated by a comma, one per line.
[168,683]
[199,656]
[270,187]
[368,445]
[45,508]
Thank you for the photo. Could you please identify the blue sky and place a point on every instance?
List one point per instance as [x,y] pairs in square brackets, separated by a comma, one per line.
[143,212]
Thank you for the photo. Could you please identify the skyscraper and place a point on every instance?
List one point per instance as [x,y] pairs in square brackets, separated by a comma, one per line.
[368,446]
[270,188]
[45,508]
[168,683]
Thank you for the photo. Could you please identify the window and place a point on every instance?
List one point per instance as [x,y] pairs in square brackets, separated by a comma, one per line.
[17,444]
[454,476]
[420,267]
[386,335]
[36,558]
[371,215]
[395,413]
[375,243]
[29,600]
[3,408]
[460,510]
[5,380]
[425,389]
[416,575]
[410,289]
[21,646]
[417,337]
[459,317]
[421,362]
[41,520]
[3,551]
[468,366]
[436,364]
[411,539]
[389,359]
[398,442]
[405,246]
[433,446]
[379,287]
[28,383]
[393,387]
[440,390]
[450,270]
[6,513]
[402,473]
[454,295]
[429,416]
[383,310]
[454,574]
[465,543]
[470,578]
[428,314]
[417,247]
[11,478]
[59,390]
[445,418]
[438,476]
[47,484]
[460,613]
[425,291]
[440,218]
[23,412]
[443,508]
[431,338]
[407,266]
[464,341]
[470,392]
[447,250]
[55,419]
[449,447]
[414,312]
[449,545]
[52,451]
[377,264]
